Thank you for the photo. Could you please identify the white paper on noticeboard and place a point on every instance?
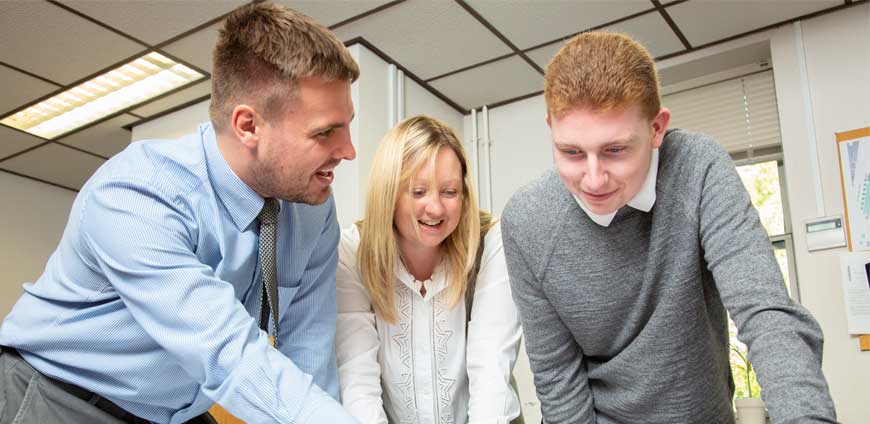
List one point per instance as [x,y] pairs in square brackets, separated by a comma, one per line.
[855,269]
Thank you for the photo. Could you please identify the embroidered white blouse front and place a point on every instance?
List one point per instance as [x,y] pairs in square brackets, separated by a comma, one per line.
[423,369]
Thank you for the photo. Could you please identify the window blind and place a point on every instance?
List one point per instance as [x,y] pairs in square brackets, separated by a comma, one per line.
[739,113]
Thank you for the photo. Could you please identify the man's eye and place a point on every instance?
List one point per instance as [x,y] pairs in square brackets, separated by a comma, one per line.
[324,134]
[615,149]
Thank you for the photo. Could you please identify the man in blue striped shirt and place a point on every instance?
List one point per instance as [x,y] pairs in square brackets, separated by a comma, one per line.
[145,310]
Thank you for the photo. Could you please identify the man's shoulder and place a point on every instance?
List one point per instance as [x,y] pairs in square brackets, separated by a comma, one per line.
[690,146]
[170,166]
[536,206]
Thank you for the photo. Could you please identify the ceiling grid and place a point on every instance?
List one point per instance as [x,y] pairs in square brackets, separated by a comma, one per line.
[498,47]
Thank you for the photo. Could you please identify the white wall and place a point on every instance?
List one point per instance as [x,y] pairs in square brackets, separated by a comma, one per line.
[837,50]
[520,150]
[32,218]
[419,101]
[838,67]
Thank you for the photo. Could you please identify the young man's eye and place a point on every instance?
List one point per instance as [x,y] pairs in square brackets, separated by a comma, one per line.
[614,150]
[324,134]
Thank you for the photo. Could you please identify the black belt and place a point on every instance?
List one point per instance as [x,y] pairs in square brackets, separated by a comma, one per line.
[88,396]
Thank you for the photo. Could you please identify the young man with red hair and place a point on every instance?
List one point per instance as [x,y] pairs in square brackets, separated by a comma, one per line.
[626,260]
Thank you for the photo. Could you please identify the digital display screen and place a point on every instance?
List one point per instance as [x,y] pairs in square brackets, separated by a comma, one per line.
[822,226]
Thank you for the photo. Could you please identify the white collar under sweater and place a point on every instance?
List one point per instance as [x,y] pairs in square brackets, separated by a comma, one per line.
[642,201]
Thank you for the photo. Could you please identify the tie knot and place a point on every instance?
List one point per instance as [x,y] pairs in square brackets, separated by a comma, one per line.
[269,214]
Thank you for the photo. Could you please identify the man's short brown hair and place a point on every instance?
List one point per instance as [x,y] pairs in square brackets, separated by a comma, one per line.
[602,71]
[261,51]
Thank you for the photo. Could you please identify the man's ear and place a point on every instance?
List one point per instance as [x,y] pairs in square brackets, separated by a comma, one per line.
[547,118]
[245,125]
[659,126]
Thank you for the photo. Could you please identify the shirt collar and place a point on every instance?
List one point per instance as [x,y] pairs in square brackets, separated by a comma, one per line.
[642,201]
[434,285]
[242,203]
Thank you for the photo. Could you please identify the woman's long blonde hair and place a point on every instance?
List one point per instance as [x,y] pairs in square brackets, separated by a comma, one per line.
[402,151]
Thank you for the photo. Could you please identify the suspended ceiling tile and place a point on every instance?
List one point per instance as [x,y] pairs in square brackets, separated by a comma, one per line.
[20,89]
[529,23]
[56,44]
[188,94]
[428,38]
[106,138]
[542,55]
[55,163]
[650,29]
[492,83]
[331,12]
[13,141]
[705,21]
[196,48]
[154,21]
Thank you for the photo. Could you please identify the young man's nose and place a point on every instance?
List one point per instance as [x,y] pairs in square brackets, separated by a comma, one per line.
[596,176]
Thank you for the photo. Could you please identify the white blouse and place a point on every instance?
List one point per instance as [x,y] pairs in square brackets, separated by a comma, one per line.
[422,368]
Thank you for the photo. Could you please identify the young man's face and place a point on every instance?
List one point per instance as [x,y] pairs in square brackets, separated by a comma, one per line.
[604,157]
[298,152]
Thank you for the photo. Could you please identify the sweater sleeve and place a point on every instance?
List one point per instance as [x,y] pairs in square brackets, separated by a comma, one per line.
[784,341]
[555,357]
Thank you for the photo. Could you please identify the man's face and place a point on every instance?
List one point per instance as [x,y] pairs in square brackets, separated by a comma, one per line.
[604,157]
[298,152]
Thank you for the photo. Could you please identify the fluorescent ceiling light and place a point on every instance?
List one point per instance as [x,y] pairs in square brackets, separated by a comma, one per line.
[135,82]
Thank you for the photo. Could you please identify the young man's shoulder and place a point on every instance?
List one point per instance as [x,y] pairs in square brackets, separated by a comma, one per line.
[690,147]
[536,206]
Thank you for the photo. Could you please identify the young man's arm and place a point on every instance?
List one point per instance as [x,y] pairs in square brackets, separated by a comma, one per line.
[555,358]
[144,243]
[785,342]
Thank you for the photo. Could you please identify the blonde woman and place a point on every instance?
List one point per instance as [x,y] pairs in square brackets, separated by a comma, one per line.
[407,350]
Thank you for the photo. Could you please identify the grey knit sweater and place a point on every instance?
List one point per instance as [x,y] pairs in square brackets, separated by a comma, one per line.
[626,323]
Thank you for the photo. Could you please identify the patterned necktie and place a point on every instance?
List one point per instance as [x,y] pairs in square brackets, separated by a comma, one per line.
[268,235]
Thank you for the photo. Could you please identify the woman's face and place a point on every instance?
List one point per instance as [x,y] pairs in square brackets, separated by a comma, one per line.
[433,199]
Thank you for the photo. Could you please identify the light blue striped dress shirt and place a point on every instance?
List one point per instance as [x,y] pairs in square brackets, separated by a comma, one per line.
[150,296]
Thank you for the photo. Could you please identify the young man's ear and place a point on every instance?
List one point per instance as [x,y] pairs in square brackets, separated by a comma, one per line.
[245,123]
[547,118]
[659,126]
